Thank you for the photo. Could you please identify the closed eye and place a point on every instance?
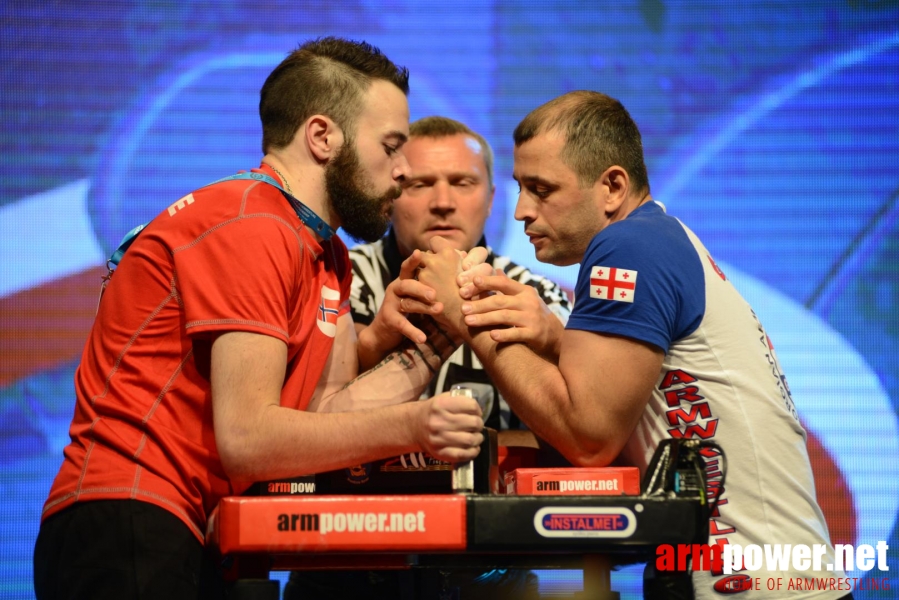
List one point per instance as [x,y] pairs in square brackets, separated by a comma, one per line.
[536,190]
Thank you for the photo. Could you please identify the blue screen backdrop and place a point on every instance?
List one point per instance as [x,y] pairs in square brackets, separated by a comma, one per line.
[770,128]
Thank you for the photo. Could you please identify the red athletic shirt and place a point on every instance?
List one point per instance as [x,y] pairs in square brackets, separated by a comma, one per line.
[229,257]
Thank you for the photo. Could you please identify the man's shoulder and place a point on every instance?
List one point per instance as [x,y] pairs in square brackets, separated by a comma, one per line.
[238,199]
[239,187]
[206,213]
[651,234]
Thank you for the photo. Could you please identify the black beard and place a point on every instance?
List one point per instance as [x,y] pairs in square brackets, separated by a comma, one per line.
[362,215]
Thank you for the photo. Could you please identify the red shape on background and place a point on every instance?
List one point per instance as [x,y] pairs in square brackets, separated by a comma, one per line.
[834,495]
[46,325]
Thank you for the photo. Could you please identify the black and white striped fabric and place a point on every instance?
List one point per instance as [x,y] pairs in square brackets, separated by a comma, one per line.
[376,265]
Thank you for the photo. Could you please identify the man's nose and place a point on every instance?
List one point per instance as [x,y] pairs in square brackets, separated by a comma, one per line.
[442,199]
[401,169]
[524,209]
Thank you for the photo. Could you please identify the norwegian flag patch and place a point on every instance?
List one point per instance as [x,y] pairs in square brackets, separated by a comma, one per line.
[610,283]
[328,311]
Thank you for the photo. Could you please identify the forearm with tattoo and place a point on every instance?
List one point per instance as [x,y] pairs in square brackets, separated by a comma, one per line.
[402,376]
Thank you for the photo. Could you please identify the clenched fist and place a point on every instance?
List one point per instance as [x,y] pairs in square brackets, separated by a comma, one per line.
[450,427]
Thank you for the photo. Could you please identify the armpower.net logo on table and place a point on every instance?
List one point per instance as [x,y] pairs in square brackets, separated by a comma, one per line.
[354,522]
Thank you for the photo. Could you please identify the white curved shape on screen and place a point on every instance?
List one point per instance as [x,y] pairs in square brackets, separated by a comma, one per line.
[746,118]
[47,236]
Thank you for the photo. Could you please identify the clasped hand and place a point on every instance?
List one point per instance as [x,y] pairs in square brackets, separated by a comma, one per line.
[407,295]
[478,298]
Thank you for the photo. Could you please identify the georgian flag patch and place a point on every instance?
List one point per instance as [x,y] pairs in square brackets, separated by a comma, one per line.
[610,283]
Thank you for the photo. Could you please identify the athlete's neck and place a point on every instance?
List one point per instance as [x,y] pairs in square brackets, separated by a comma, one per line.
[304,182]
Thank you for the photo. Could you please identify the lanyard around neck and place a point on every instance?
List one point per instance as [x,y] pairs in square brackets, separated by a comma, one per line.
[306,215]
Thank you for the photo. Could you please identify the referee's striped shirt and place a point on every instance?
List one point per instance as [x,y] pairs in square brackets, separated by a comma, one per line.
[376,265]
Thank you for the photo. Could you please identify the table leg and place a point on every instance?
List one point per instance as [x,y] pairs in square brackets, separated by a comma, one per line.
[597,578]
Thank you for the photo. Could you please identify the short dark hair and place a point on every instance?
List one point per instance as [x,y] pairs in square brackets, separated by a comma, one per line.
[324,76]
[438,127]
[599,133]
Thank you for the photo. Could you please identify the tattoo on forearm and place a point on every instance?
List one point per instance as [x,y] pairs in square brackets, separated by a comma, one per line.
[386,361]
[434,333]
[442,332]
[408,362]
[438,342]
[432,346]
[425,359]
[404,357]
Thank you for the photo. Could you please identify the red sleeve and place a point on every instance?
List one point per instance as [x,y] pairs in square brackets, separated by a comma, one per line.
[239,276]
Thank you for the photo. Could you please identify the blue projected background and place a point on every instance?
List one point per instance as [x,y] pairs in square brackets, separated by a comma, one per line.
[771,129]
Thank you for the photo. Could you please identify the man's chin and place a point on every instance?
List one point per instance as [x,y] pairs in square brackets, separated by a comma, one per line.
[543,254]
[550,258]
[368,233]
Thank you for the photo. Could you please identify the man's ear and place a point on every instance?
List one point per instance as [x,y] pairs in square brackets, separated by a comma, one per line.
[615,185]
[490,200]
[323,137]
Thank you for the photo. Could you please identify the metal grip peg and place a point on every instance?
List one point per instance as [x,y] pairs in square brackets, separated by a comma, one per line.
[463,473]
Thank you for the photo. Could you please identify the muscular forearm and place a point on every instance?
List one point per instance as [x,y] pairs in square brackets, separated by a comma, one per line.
[401,376]
[540,396]
[297,442]
[258,439]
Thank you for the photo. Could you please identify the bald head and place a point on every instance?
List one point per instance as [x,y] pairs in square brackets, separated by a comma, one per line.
[598,133]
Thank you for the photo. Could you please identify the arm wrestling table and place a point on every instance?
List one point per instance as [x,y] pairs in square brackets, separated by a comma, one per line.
[255,535]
